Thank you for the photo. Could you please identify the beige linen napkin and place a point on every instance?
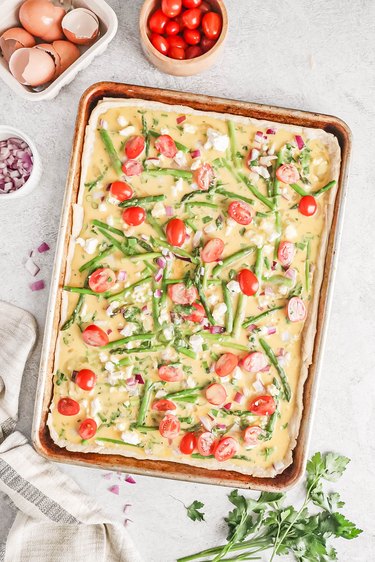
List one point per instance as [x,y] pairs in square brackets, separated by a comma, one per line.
[56,521]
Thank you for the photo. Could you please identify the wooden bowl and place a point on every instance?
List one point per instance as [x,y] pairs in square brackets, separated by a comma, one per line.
[180,67]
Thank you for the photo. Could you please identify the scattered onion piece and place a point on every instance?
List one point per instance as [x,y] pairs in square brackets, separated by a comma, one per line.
[300,142]
[138,377]
[43,248]
[115,489]
[37,285]
[129,479]
[31,267]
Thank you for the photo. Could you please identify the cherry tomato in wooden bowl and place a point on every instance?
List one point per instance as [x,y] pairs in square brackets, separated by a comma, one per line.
[157,22]
[211,25]
[171,8]
[172,28]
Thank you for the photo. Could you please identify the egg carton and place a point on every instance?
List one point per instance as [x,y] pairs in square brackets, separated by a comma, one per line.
[108,29]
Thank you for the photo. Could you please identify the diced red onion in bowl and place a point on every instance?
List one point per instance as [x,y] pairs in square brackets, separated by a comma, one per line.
[16,164]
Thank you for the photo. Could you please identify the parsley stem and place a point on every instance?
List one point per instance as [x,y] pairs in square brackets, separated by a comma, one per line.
[97,259]
[273,359]
[232,258]
[115,160]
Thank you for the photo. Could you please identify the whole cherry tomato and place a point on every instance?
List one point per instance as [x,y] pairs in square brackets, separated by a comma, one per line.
[171,8]
[205,7]
[191,3]
[188,443]
[160,43]
[157,22]
[308,206]
[134,216]
[172,28]
[135,145]
[176,232]
[192,18]
[87,429]
[121,190]
[193,52]
[207,43]
[85,379]
[192,36]
[211,25]
[248,282]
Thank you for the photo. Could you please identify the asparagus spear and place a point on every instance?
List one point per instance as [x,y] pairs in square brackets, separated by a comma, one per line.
[232,258]
[115,160]
[232,195]
[325,188]
[254,319]
[259,268]
[224,341]
[122,341]
[141,201]
[155,306]
[233,144]
[273,359]
[77,309]
[298,189]
[106,226]
[270,204]
[146,134]
[201,204]
[176,250]
[241,306]
[307,266]
[183,393]
[186,351]
[145,256]
[145,402]
[229,314]
[97,259]
[83,291]
[113,240]
[155,225]
[156,172]
[116,442]
[128,290]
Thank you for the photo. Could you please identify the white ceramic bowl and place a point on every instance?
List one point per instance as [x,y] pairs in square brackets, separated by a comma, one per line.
[108,28]
[6,133]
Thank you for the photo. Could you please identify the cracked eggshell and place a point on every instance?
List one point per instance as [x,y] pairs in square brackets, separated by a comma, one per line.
[48,48]
[42,19]
[67,52]
[32,67]
[81,26]
[13,39]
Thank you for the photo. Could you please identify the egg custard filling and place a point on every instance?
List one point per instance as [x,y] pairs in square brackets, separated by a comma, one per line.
[191,292]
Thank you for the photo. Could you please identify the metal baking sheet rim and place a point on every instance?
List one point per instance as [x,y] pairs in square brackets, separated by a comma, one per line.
[40,434]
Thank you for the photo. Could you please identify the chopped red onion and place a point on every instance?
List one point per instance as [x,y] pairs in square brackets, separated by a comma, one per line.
[138,377]
[206,422]
[197,238]
[265,369]
[107,475]
[31,267]
[43,248]
[127,520]
[271,131]
[238,397]
[169,211]
[228,406]
[271,330]
[217,329]
[258,386]
[300,142]
[161,262]
[280,352]
[122,275]
[158,293]
[109,331]
[37,285]
[221,427]
[291,274]
[251,327]
[195,153]
[131,382]
[153,161]
[74,374]
[268,291]
[254,153]
[144,308]
[115,489]
[274,264]
[129,479]
[16,164]
[126,507]
[158,277]
[181,119]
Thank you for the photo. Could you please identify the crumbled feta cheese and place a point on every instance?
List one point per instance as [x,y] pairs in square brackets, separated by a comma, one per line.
[234,286]
[123,426]
[114,359]
[212,299]
[267,226]
[112,307]
[273,236]
[268,249]
[283,290]
[164,131]
[190,382]
[164,316]
[109,220]
[219,312]
[261,171]
[88,245]
[127,131]
[189,128]
[180,159]
[230,223]
[103,357]
[102,207]
[128,329]
[210,228]
[285,336]
[158,210]
[178,186]
[237,373]
[130,437]
[122,121]
[139,293]
[196,342]
[196,164]
[113,200]
[169,332]
[95,407]
[290,232]
[169,354]
[216,140]
[160,393]
[103,124]
[109,366]
[272,389]
[258,240]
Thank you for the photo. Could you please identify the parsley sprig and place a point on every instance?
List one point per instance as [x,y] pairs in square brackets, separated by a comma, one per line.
[266,524]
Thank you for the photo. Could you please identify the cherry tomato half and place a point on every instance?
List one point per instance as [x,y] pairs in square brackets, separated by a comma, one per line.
[170,373]
[213,250]
[191,3]
[87,429]
[262,405]
[226,364]
[241,212]
[157,22]
[198,315]
[192,36]
[95,336]
[176,53]
[68,407]
[211,25]
[251,435]
[188,444]
[85,379]
[296,310]
[132,168]
[171,8]
[286,252]
[121,191]
[204,176]
[166,146]
[308,206]
[172,28]
[169,426]
[254,362]
[163,405]
[135,145]
[102,280]
[193,52]
[287,173]
[192,18]
[206,444]
[248,282]
[216,394]
[180,294]
[226,449]
[134,216]
[176,232]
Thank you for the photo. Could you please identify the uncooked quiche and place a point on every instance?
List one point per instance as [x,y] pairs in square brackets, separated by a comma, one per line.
[193,276]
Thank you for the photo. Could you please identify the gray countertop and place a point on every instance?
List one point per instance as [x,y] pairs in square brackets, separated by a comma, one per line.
[317,56]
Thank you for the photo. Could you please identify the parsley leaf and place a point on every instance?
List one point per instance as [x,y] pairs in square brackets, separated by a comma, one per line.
[193,511]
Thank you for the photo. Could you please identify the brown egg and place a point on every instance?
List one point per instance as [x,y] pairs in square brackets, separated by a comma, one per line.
[32,67]
[55,56]
[13,39]
[42,19]
[67,52]
[81,26]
